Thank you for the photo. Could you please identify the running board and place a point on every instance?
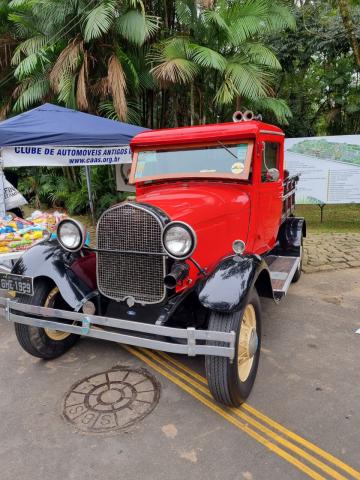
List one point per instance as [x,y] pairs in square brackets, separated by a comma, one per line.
[282,271]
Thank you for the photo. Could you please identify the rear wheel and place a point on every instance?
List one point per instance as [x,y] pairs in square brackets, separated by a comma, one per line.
[231,383]
[42,342]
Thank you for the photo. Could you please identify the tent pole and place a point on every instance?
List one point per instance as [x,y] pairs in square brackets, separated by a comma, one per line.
[88,182]
[2,188]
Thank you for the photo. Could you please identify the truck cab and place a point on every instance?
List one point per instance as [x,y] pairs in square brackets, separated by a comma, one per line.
[181,267]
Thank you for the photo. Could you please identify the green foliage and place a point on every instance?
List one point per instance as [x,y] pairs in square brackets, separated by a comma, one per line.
[177,62]
[99,20]
[67,188]
[319,80]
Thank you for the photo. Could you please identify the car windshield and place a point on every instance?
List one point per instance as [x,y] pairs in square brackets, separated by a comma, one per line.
[221,160]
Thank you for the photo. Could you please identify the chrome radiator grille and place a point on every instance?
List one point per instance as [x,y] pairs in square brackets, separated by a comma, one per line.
[120,275]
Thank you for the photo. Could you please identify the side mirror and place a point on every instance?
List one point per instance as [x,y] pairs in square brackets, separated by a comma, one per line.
[272,175]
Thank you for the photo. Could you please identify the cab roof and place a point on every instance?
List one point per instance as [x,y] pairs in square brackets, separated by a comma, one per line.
[203,133]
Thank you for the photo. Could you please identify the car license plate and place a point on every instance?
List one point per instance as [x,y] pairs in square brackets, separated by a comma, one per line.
[17,283]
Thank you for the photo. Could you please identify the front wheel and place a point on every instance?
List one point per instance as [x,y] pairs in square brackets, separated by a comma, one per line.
[231,382]
[42,342]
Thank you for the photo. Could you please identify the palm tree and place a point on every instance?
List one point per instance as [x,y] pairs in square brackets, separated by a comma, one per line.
[219,53]
[111,57]
[7,46]
[74,51]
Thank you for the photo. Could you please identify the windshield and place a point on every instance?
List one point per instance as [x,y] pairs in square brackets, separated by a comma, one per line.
[222,160]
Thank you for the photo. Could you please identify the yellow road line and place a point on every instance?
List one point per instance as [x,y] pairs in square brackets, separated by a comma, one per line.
[302,441]
[273,435]
[252,433]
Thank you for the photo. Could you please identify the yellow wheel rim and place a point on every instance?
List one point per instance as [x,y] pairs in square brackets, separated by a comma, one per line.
[49,303]
[248,343]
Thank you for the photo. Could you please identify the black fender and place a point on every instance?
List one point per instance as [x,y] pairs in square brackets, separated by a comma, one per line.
[227,287]
[290,233]
[49,260]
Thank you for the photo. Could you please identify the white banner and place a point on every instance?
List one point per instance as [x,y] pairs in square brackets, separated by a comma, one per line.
[329,168]
[59,156]
[13,198]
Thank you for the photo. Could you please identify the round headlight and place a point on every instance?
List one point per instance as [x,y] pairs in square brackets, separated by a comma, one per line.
[179,240]
[71,235]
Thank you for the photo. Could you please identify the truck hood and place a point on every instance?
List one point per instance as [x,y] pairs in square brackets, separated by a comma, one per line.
[197,203]
[218,212]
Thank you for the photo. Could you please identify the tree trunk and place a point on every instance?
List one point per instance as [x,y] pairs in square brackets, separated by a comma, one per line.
[176,109]
[192,104]
[349,27]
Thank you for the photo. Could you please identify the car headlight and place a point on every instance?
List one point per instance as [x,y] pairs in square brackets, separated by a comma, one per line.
[71,235]
[179,240]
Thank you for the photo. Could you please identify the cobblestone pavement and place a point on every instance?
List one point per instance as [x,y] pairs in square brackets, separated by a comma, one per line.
[331,251]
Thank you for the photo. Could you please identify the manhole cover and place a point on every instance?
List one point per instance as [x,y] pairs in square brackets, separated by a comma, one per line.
[111,400]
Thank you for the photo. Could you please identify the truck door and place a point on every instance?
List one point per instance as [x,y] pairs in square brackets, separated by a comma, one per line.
[269,195]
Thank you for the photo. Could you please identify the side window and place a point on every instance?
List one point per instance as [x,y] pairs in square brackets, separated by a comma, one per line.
[270,158]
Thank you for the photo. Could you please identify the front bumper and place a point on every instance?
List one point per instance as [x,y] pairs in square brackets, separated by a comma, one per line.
[95,326]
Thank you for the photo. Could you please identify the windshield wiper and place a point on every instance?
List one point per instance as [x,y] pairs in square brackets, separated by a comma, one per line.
[227,149]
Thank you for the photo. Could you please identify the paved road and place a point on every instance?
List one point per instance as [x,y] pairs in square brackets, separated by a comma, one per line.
[308,382]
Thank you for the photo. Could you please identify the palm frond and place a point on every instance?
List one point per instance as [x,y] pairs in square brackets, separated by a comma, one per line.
[67,86]
[186,12]
[117,85]
[27,67]
[174,64]
[243,79]
[277,106]
[226,92]
[99,20]
[251,80]
[133,116]
[258,53]
[82,100]
[27,47]
[129,68]
[66,63]
[20,3]
[23,23]
[280,18]
[136,27]
[107,109]
[206,57]
[177,70]
[214,17]
[256,17]
[32,92]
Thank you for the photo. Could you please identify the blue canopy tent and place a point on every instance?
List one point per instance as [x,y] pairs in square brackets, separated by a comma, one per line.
[48,127]
[53,125]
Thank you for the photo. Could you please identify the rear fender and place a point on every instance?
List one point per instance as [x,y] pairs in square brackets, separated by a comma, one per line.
[227,288]
[49,260]
[290,234]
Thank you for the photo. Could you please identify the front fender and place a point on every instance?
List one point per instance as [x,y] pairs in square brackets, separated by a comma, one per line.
[226,289]
[48,259]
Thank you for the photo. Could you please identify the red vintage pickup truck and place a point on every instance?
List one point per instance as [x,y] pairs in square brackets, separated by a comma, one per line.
[182,267]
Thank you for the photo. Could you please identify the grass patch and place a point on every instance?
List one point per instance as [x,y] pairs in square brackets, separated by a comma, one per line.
[336,218]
